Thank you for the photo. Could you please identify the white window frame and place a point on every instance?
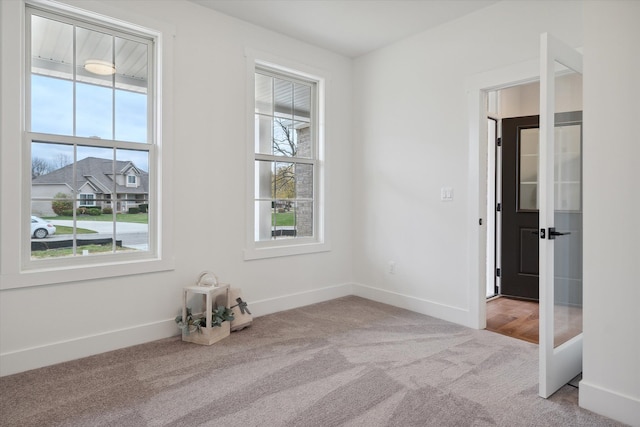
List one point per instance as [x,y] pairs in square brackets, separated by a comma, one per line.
[135,181]
[16,268]
[295,246]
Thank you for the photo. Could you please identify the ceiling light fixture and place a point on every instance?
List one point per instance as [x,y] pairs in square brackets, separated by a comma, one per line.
[97,66]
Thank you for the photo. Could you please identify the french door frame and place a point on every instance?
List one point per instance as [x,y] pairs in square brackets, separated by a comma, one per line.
[557,365]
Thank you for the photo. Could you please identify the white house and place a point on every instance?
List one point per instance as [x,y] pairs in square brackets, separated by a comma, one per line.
[396,131]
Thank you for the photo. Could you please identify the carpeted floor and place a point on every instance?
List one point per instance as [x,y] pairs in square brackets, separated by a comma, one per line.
[347,362]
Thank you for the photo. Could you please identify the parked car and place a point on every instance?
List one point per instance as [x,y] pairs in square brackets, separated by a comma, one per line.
[41,228]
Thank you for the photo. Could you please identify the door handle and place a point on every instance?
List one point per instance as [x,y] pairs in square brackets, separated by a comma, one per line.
[553,233]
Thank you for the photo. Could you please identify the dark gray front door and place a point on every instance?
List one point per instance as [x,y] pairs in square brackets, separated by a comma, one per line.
[519,206]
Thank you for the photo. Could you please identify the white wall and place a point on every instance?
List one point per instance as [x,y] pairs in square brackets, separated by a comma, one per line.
[47,324]
[611,370]
[524,100]
[411,139]
[412,133]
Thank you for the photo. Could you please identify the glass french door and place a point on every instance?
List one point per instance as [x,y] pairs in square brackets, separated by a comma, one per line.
[560,220]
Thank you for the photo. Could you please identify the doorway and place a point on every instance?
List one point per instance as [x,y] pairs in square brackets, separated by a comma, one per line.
[558,363]
[516,233]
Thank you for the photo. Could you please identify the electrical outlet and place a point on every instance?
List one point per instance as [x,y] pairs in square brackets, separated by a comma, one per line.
[392,267]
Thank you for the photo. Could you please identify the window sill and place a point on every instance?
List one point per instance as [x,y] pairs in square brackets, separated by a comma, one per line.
[50,276]
[262,252]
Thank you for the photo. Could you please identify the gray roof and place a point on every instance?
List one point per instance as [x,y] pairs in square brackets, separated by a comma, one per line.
[98,173]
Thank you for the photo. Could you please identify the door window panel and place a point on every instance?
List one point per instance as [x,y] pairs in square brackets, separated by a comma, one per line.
[528,160]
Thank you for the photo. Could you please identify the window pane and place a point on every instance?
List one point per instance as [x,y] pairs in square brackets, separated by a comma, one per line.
[51,105]
[264,94]
[304,181]
[303,140]
[132,200]
[302,102]
[47,157]
[283,98]
[283,219]
[263,220]
[264,179]
[50,238]
[131,116]
[51,77]
[264,135]
[131,91]
[284,183]
[284,141]
[528,159]
[94,57]
[43,31]
[567,170]
[94,111]
[290,138]
[304,219]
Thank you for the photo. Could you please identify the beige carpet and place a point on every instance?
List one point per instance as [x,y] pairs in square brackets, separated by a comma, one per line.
[347,362]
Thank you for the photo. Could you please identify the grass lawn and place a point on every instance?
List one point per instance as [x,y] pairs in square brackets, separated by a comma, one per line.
[139,218]
[285,218]
[63,229]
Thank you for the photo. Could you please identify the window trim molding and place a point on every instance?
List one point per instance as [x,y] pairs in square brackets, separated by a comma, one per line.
[13,273]
[285,247]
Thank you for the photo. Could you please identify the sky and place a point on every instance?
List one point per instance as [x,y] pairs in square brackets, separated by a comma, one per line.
[52,112]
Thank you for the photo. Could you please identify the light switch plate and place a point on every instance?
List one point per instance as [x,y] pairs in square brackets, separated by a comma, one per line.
[446,194]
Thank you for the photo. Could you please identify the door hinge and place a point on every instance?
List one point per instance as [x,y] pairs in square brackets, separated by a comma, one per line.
[499,207]
[499,142]
[498,272]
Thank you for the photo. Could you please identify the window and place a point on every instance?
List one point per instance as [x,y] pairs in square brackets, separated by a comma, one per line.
[89,122]
[87,199]
[287,167]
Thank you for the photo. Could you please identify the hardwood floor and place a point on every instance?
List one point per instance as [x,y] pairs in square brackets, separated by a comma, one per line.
[514,318]
[519,319]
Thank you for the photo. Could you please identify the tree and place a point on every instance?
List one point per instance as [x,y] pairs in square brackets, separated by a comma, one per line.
[284,185]
[40,166]
[283,138]
[283,181]
[61,161]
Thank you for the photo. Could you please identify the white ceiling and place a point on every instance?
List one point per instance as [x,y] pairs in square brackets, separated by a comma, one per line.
[348,27]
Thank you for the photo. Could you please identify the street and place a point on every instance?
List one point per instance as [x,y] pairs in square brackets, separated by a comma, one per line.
[133,235]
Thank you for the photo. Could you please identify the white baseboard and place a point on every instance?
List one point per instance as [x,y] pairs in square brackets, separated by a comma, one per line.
[625,409]
[76,348]
[422,306]
[64,351]
[299,299]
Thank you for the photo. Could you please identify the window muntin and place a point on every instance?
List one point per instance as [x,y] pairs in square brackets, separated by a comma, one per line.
[286,153]
[86,130]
